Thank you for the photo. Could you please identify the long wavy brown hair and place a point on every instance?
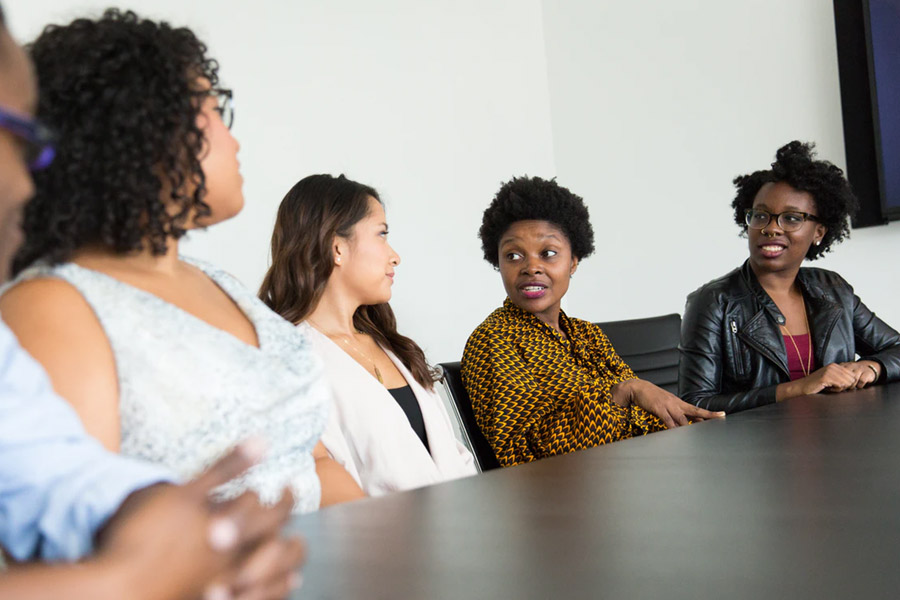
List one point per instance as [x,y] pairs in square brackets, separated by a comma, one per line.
[313,212]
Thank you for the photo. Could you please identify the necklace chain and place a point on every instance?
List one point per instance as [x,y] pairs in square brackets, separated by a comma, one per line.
[354,347]
[807,368]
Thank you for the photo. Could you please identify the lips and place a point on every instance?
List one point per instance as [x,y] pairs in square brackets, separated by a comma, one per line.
[772,250]
[532,290]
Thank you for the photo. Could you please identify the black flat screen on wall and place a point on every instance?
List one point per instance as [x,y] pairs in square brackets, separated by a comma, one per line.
[868,36]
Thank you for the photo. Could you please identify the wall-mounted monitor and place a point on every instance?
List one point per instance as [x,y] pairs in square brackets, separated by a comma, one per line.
[868,42]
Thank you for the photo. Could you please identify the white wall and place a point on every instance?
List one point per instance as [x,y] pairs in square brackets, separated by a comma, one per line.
[648,109]
[432,103]
[657,105]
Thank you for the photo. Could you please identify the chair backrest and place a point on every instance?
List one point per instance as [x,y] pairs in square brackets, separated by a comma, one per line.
[462,406]
[649,346]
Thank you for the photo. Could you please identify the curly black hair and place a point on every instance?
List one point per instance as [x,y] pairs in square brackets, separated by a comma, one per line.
[532,198]
[122,95]
[795,165]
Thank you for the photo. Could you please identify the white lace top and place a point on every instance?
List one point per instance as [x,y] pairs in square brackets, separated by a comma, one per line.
[189,391]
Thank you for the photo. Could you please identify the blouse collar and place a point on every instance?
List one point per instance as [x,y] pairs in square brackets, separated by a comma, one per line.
[527,318]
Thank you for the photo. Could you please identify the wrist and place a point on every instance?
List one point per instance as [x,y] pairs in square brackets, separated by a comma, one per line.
[788,390]
[876,368]
[131,503]
[115,577]
[623,392]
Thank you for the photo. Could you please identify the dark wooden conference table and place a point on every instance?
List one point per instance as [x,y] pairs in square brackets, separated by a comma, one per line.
[795,500]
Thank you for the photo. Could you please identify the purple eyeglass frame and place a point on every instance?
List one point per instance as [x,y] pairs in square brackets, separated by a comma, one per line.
[38,140]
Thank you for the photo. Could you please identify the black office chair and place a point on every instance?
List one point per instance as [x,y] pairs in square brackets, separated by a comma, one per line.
[649,346]
[462,407]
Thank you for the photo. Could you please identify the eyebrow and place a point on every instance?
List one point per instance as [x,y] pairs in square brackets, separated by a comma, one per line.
[514,238]
[788,208]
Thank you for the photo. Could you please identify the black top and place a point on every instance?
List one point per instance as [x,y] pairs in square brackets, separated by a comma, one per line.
[407,401]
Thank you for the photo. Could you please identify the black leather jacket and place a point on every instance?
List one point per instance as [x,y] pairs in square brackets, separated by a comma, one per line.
[732,349]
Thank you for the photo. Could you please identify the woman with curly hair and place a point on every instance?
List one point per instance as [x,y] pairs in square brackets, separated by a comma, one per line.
[543,383]
[164,358]
[772,330]
[331,274]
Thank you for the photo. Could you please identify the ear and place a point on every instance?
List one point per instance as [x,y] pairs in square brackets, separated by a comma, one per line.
[821,230]
[574,266]
[339,251]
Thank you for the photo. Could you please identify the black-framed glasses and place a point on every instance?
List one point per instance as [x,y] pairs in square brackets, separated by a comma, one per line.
[224,105]
[790,220]
[36,139]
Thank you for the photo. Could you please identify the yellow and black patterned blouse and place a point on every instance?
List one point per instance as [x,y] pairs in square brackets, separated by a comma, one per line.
[537,394]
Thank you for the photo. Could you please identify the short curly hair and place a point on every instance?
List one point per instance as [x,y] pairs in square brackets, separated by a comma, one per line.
[795,165]
[122,95]
[532,198]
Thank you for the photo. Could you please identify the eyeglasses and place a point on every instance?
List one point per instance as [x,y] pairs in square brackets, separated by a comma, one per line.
[788,221]
[225,105]
[36,139]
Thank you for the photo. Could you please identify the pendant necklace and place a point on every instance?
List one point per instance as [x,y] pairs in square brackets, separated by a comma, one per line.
[807,368]
[353,347]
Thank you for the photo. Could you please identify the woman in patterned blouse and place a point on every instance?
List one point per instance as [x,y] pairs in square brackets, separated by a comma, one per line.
[541,382]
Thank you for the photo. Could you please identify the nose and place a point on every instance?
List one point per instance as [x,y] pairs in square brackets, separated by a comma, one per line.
[395,258]
[532,266]
[772,228]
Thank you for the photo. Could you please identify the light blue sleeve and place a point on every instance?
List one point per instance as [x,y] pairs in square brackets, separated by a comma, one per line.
[58,485]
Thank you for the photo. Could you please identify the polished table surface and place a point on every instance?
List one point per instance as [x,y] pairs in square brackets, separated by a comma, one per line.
[795,500]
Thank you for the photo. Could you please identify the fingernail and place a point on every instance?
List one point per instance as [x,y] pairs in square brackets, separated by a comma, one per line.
[296,581]
[253,448]
[223,534]
[217,591]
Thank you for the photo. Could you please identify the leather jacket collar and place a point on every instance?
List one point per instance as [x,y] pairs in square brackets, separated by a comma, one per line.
[763,330]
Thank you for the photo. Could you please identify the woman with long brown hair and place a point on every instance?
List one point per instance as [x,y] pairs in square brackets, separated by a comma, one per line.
[331,274]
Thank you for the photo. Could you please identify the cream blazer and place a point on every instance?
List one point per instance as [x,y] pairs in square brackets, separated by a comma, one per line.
[369,434]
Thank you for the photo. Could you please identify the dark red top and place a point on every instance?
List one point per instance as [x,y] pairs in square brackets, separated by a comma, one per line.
[796,360]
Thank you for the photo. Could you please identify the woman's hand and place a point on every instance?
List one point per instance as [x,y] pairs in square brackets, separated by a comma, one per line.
[670,409]
[835,377]
[865,371]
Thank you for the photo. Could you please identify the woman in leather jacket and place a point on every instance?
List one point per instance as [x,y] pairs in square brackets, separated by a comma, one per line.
[771,330]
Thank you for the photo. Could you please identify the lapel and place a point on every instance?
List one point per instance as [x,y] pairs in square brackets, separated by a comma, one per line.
[436,427]
[386,413]
[761,334]
[762,331]
[823,316]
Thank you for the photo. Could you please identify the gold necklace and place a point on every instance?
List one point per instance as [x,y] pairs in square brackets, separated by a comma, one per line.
[807,369]
[355,348]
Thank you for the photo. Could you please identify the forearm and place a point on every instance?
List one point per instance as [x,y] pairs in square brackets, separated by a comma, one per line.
[337,484]
[732,402]
[92,580]
[586,423]
[876,341]
[788,390]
